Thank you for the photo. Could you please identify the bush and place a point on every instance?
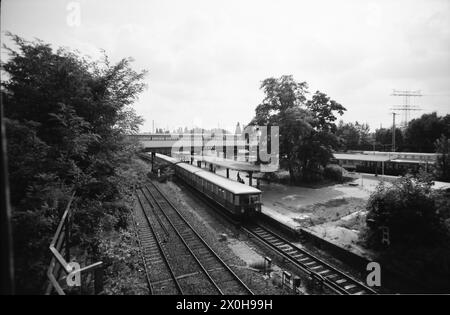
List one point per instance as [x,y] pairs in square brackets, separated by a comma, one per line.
[334,172]
[417,219]
[66,124]
[409,210]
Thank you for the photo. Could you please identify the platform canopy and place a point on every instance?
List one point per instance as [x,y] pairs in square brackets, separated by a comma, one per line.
[236,165]
[361,157]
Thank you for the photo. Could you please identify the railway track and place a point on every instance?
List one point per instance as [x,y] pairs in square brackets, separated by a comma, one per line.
[196,267]
[160,276]
[316,268]
[329,276]
[307,262]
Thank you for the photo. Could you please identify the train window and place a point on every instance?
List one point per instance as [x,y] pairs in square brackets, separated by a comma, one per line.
[229,196]
[236,199]
[254,198]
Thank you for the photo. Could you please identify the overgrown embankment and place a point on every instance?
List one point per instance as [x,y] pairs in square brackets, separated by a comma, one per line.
[67,118]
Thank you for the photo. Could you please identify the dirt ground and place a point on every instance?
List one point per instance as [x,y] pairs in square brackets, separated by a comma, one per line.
[301,207]
[335,212]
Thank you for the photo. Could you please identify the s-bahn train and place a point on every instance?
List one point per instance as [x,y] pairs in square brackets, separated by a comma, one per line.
[388,163]
[240,200]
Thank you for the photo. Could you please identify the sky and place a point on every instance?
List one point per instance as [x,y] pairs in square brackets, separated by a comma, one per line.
[206,59]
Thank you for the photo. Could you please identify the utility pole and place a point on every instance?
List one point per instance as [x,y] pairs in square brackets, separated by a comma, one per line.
[393,131]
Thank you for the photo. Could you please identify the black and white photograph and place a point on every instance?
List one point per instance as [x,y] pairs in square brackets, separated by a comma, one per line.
[225,155]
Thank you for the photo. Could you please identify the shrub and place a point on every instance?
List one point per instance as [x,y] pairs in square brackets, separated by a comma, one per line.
[334,172]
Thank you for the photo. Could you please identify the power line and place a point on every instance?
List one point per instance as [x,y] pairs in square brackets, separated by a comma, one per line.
[407,105]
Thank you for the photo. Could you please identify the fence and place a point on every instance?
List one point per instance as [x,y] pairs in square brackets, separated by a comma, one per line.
[61,271]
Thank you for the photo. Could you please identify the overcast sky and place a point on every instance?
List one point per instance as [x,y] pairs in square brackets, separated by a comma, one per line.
[206,59]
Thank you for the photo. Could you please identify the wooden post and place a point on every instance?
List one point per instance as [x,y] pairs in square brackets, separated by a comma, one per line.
[286,278]
[67,238]
[98,281]
[267,264]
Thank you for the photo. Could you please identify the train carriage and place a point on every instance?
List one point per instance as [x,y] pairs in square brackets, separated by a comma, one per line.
[241,200]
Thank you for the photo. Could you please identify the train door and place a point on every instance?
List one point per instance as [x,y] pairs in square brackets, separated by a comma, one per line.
[255,202]
[244,206]
[250,204]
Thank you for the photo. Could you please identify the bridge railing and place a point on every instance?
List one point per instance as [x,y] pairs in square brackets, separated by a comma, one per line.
[60,269]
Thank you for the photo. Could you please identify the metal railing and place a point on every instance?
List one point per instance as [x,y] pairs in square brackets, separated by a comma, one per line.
[60,268]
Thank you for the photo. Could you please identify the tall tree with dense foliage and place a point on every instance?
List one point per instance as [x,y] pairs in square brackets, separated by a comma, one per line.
[383,137]
[422,132]
[306,127]
[353,136]
[66,126]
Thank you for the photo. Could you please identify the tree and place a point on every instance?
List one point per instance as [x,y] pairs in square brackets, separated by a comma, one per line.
[306,127]
[353,135]
[443,161]
[66,126]
[422,132]
[316,153]
[383,136]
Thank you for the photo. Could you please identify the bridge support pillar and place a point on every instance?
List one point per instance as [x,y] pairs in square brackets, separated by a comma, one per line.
[250,178]
[228,173]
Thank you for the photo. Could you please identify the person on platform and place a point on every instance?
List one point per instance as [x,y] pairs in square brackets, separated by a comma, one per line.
[239,178]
